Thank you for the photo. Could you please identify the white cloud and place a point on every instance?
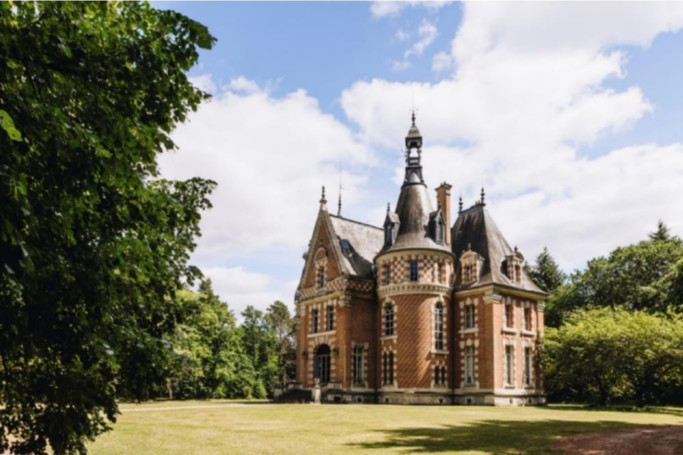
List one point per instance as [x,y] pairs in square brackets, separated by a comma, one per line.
[401,35]
[426,34]
[240,288]
[243,85]
[270,156]
[400,65]
[203,82]
[442,61]
[530,91]
[381,9]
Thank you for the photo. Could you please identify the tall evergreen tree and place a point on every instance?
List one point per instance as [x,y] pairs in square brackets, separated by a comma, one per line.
[546,273]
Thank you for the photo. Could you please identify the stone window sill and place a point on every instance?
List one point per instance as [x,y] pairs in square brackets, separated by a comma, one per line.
[328,332]
[389,337]
[510,330]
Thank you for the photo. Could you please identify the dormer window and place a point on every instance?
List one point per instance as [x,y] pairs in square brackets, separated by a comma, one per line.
[439,230]
[389,234]
[513,267]
[471,265]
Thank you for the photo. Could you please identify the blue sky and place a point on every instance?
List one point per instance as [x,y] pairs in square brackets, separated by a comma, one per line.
[569,114]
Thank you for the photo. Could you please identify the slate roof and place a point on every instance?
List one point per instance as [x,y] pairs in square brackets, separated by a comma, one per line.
[359,243]
[413,209]
[476,228]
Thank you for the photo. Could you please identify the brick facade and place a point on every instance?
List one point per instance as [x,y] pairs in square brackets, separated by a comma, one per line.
[408,314]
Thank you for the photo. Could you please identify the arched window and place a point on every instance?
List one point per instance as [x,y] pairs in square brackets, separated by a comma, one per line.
[388,319]
[438,326]
[321,364]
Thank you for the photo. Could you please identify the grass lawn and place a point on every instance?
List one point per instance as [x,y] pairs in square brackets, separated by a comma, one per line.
[229,427]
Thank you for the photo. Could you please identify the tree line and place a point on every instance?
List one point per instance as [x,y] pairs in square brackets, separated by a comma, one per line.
[214,357]
[614,331]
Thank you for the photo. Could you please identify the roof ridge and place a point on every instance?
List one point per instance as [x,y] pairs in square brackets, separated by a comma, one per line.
[354,221]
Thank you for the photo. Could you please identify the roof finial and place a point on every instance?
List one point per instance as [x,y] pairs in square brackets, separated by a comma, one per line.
[412,117]
[323,201]
[388,208]
[460,204]
[482,196]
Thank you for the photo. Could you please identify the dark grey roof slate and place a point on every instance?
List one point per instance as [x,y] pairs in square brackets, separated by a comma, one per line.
[475,227]
[359,244]
[413,210]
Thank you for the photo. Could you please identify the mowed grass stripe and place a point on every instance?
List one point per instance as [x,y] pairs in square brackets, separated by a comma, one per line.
[223,427]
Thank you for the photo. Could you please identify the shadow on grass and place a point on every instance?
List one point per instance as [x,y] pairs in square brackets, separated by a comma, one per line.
[489,436]
[670,410]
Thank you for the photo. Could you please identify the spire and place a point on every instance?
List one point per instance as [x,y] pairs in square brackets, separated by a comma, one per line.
[340,190]
[413,154]
[323,201]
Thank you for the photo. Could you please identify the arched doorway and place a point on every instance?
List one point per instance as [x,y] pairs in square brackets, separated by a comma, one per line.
[321,364]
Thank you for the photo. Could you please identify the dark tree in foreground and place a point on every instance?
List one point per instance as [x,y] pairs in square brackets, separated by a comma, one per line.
[92,245]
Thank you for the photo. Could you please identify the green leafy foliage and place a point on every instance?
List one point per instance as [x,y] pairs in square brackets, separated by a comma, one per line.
[645,276]
[259,341]
[209,360]
[604,355]
[92,247]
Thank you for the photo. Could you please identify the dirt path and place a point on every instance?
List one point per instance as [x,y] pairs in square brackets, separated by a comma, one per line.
[642,440]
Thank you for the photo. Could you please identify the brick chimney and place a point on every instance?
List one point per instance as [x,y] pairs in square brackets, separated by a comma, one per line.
[443,200]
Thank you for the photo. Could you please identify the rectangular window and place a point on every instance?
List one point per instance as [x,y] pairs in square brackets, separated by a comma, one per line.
[508,316]
[469,316]
[329,316]
[439,272]
[357,364]
[438,326]
[321,277]
[439,375]
[387,274]
[388,319]
[468,273]
[527,366]
[314,321]
[413,271]
[509,364]
[527,319]
[469,365]
[388,368]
